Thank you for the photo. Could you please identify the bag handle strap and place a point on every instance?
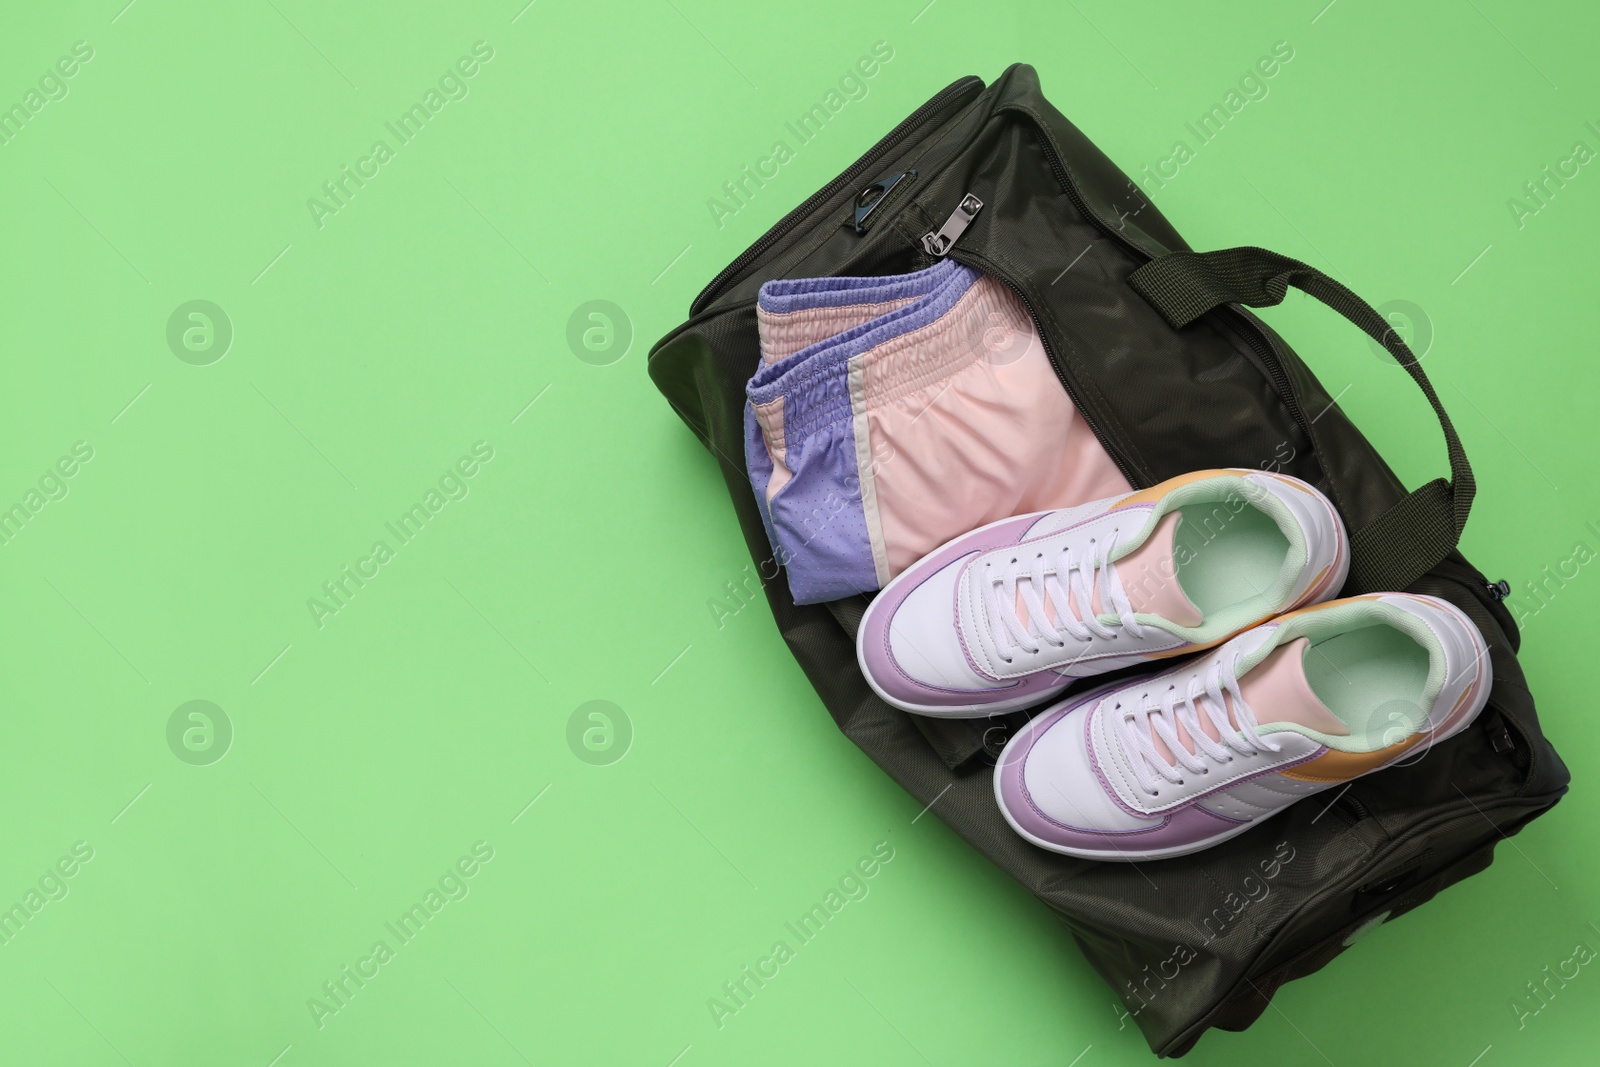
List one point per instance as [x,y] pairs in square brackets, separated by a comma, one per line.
[1407,540]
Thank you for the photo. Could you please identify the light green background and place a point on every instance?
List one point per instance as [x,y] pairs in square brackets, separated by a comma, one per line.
[369,354]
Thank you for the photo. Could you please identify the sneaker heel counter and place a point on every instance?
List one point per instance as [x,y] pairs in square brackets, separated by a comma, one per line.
[1327,543]
[1469,669]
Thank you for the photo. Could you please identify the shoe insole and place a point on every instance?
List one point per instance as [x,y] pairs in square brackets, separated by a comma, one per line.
[1373,680]
[1225,558]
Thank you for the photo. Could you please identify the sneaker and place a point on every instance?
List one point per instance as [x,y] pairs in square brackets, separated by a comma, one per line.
[1008,615]
[1178,761]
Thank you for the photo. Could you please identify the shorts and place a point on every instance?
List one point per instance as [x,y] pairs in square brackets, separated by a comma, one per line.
[890,415]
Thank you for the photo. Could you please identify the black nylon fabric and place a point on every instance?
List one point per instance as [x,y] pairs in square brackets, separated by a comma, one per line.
[1399,546]
[1202,940]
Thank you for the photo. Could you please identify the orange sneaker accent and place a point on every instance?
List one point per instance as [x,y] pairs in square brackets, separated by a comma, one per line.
[1325,604]
[1470,693]
[1336,766]
[1185,650]
[1154,494]
[1292,483]
[1316,583]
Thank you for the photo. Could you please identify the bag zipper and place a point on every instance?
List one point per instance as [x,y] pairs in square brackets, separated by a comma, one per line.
[1499,735]
[956,91]
[938,242]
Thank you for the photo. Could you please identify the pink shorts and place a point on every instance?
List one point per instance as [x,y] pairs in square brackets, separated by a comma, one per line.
[890,415]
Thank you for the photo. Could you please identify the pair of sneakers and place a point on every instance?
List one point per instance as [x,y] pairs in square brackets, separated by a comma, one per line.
[1293,694]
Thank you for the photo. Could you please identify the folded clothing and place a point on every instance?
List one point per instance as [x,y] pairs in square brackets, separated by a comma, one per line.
[796,313]
[892,414]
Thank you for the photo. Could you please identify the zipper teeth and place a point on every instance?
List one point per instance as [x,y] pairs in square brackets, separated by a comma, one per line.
[1262,345]
[1268,349]
[781,228]
[1356,806]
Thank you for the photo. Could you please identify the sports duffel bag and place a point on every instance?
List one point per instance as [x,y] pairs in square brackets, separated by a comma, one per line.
[1153,343]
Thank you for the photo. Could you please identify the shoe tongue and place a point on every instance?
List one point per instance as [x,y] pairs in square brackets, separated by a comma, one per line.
[1149,578]
[1277,691]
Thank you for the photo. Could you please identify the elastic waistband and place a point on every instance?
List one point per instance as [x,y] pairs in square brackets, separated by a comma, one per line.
[794,313]
[913,347]
[986,322]
[785,295]
[789,376]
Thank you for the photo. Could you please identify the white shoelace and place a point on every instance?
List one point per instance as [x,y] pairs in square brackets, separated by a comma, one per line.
[1139,716]
[1054,576]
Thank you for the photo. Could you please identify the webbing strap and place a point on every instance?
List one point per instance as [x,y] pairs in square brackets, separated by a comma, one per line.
[1407,540]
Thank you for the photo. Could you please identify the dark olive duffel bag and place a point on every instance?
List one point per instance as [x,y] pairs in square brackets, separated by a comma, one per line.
[1152,342]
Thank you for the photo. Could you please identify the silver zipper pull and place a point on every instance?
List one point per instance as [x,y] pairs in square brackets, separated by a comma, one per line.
[937,244]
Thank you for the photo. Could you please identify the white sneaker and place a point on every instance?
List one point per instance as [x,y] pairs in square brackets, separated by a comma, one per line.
[1010,614]
[1178,761]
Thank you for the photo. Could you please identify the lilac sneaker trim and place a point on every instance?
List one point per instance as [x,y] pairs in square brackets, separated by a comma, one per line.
[1180,828]
[875,646]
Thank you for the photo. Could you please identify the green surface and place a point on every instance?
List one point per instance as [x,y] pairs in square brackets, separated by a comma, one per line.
[371,749]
